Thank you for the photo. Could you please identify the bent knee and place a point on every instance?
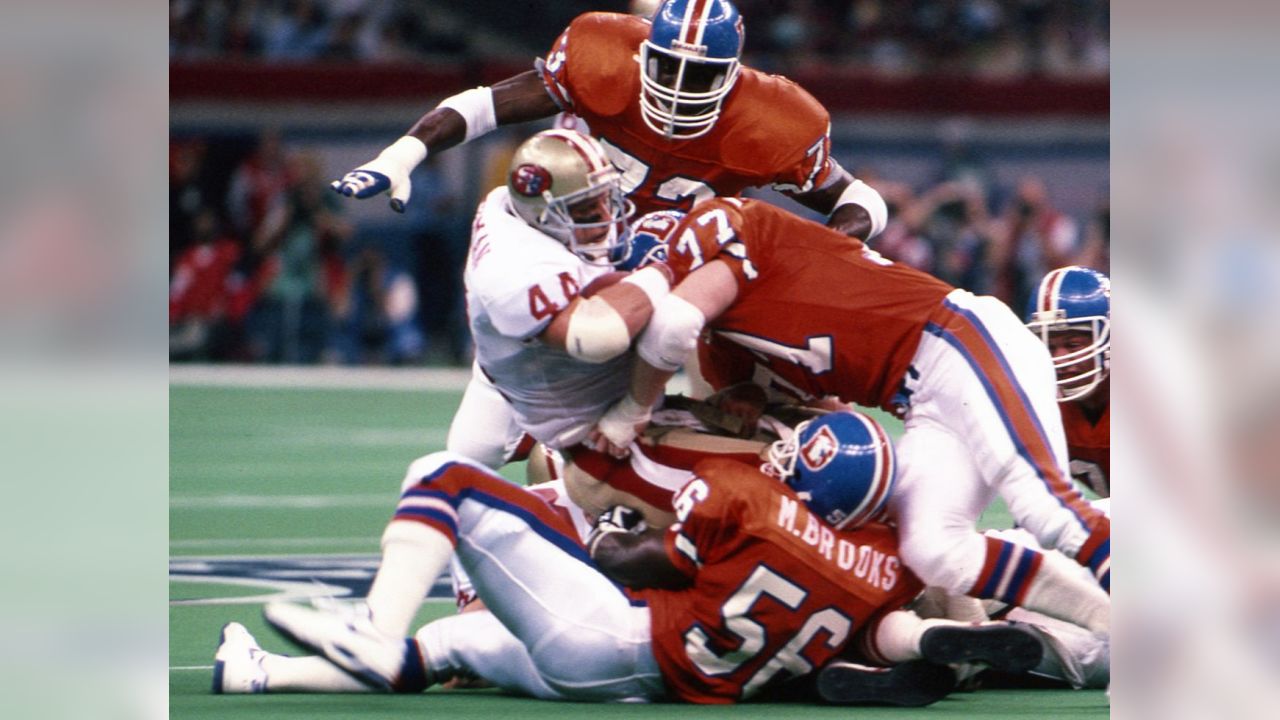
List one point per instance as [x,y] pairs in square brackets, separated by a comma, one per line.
[947,560]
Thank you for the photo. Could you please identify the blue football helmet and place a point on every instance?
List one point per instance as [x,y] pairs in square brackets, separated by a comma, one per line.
[1075,299]
[688,65]
[649,237]
[840,464]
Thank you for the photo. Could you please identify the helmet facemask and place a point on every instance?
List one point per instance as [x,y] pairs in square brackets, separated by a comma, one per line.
[681,92]
[1094,357]
[591,222]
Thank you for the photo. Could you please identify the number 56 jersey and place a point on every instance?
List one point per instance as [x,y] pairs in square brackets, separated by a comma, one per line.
[775,591]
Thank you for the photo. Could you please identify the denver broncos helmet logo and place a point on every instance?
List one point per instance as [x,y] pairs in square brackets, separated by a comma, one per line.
[530,180]
[820,449]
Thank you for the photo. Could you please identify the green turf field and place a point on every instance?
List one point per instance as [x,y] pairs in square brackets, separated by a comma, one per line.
[274,490]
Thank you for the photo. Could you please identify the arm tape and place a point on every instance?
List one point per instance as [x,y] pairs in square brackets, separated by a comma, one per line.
[860,193]
[476,108]
[596,333]
[672,333]
[652,282]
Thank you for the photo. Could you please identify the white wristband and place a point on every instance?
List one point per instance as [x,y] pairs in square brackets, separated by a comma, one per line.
[652,282]
[476,108]
[408,152]
[865,196]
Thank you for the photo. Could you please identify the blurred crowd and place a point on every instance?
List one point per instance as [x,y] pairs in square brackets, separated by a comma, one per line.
[982,38]
[265,268]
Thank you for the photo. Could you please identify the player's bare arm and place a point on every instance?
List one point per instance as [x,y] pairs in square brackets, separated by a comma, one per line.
[664,346]
[599,326]
[517,99]
[853,207]
[636,558]
[457,119]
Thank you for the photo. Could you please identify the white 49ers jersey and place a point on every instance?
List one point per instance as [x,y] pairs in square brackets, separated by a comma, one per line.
[517,279]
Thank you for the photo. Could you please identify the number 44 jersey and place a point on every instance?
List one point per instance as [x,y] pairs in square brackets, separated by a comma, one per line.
[775,591]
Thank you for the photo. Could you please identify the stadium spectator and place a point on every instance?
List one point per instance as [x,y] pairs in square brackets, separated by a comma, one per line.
[189,194]
[1029,238]
[983,38]
[376,315]
[299,239]
[257,183]
[204,312]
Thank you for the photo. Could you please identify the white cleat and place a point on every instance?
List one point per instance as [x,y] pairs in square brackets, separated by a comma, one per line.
[344,635]
[237,666]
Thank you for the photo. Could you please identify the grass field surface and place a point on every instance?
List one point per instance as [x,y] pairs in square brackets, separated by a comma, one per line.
[281,487]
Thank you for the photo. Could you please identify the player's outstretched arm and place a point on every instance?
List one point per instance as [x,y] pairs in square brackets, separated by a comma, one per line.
[457,119]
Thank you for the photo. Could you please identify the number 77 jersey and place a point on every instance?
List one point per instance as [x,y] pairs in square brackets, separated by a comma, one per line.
[775,591]
[818,313]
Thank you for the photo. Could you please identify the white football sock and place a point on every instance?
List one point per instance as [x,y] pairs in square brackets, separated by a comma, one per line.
[413,556]
[307,674]
[1064,590]
[897,636]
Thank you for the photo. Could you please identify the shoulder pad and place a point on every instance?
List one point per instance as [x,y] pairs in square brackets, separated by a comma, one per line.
[604,76]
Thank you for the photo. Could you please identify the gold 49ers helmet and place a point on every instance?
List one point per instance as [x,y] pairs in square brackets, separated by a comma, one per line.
[562,183]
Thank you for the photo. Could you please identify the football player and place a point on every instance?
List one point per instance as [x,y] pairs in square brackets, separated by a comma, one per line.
[759,581]
[537,243]
[681,117]
[818,316]
[1071,313]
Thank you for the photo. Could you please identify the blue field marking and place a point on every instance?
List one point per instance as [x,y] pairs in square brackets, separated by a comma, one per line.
[292,577]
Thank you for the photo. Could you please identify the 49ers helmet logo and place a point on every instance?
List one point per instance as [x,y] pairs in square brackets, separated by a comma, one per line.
[530,180]
[820,449]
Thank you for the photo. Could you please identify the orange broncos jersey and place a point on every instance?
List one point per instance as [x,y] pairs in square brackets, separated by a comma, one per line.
[821,314]
[775,591]
[770,131]
[1089,447]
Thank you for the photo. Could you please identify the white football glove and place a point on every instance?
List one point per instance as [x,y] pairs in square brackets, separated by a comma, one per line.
[618,424]
[389,172]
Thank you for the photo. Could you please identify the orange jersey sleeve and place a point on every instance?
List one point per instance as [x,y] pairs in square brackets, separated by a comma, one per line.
[780,132]
[776,592]
[590,69]
[821,314]
[1089,447]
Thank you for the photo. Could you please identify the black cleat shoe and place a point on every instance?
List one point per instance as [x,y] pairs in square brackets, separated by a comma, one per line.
[1003,647]
[911,684]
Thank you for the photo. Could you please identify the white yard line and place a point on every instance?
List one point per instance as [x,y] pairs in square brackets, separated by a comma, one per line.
[319,377]
[283,543]
[292,502]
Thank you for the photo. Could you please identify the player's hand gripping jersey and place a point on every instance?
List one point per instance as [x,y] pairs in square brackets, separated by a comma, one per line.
[770,131]
[822,315]
[517,279]
[775,591]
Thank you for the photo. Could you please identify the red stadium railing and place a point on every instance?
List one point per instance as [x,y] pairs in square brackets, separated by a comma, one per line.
[840,90]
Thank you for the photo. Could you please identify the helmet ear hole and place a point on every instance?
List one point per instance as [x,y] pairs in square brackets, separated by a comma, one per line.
[841,465]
